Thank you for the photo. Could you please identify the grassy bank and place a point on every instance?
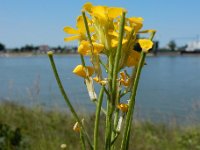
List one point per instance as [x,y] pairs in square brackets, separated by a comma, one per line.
[36,129]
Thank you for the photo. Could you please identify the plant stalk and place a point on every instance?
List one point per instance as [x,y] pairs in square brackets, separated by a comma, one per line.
[97,118]
[50,54]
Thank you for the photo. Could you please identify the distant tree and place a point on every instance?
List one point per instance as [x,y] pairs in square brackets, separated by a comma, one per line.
[2,47]
[172,45]
[27,48]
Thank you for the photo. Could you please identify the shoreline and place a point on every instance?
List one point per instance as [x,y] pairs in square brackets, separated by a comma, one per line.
[30,54]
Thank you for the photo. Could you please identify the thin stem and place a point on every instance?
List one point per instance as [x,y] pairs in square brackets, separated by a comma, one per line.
[82,60]
[116,116]
[109,105]
[94,57]
[115,72]
[118,55]
[115,138]
[86,27]
[102,109]
[107,93]
[50,54]
[82,140]
[97,118]
[129,134]
[132,100]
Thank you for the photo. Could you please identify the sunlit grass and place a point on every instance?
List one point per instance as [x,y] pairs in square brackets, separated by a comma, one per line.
[42,130]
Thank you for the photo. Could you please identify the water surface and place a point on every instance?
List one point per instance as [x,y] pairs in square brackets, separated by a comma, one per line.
[169,85]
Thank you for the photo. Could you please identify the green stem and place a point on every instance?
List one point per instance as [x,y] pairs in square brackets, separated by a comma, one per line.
[116,118]
[94,57]
[132,100]
[82,140]
[129,134]
[97,118]
[116,70]
[82,60]
[50,54]
[118,55]
[109,105]
[87,28]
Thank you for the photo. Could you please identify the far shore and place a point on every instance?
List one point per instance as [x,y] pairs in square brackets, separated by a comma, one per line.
[159,53]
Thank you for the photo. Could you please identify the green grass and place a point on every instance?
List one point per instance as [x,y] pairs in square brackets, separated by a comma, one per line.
[47,130]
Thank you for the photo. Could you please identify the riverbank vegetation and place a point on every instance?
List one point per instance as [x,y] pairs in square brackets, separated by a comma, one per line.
[38,129]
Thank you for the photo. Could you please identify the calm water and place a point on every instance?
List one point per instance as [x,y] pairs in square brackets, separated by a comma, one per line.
[169,87]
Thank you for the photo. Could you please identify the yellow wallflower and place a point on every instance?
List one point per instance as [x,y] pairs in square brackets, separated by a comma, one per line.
[86,49]
[123,107]
[103,13]
[133,58]
[82,71]
[114,42]
[77,34]
[102,82]
[124,80]
[145,44]
[136,22]
[103,18]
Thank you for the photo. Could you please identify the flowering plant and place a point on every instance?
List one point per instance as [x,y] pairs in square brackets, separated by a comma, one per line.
[106,31]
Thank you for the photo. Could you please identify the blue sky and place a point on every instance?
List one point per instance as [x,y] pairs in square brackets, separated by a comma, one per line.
[41,21]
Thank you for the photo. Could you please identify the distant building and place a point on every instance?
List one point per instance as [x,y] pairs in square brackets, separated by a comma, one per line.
[43,49]
[193,46]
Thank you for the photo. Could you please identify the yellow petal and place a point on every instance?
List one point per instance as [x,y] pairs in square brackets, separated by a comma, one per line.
[124,79]
[96,79]
[71,38]
[82,71]
[136,22]
[114,42]
[114,12]
[145,44]
[84,47]
[102,82]
[127,28]
[114,33]
[80,24]
[70,30]
[94,37]
[100,13]
[123,75]
[133,58]
[88,7]
[97,48]
[123,107]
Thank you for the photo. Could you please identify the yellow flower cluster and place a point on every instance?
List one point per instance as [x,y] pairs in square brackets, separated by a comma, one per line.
[103,24]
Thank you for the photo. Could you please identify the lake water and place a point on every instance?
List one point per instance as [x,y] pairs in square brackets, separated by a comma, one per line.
[169,86]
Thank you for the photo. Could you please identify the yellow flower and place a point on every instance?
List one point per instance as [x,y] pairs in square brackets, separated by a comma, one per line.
[103,18]
[123,107]
[102,82]
[76,127]
[124,79]
[82,71]
[86,49]
[133,58]
[114,42]
[136,23]
[103,13]
[145,44]
[79,33]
